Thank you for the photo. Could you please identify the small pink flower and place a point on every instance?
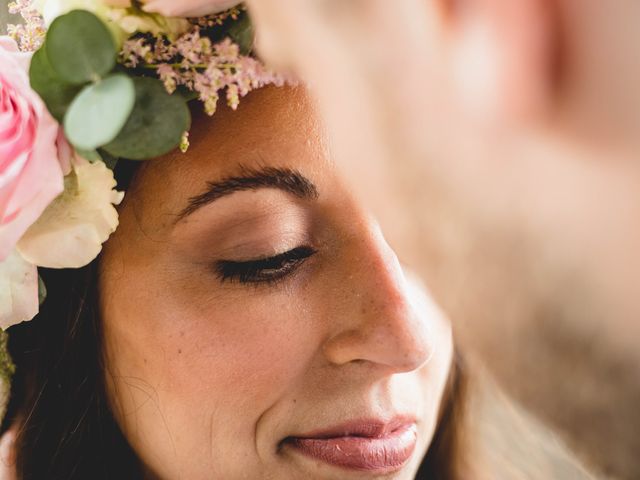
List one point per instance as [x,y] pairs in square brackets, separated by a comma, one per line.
[30,172]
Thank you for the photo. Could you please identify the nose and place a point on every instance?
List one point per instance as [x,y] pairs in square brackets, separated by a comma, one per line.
[386,314]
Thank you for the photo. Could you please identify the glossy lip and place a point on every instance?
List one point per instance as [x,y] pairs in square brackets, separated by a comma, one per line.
[368,445]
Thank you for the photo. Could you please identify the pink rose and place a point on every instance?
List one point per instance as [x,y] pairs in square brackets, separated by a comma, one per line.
[30,172]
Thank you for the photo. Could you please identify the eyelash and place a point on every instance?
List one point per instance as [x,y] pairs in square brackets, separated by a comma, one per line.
[264,270]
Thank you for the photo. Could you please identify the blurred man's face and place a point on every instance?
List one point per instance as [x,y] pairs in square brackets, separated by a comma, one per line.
[532,237]
[535,192]
[496,140]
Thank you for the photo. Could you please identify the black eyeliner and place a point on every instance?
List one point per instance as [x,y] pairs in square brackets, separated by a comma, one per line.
[263,270]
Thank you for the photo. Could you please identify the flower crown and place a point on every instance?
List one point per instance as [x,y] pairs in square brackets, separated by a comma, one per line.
[83,84]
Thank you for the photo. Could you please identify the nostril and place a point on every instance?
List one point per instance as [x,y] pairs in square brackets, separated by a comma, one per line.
[418,356]
[407,345]
[399,346]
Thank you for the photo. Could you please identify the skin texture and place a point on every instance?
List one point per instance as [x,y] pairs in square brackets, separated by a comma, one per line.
[207,378]
[497,143]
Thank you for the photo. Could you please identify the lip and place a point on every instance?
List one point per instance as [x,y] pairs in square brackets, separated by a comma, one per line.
[364,445]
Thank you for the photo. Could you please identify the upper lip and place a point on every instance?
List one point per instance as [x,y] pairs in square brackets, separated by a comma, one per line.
[365,428]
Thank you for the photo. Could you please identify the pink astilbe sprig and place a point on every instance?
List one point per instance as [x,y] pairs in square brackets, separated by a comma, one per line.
[136,50]
[30,35]
[218,18]
[203,67]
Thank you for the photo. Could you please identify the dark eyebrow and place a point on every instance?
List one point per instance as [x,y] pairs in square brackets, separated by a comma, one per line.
[285,179]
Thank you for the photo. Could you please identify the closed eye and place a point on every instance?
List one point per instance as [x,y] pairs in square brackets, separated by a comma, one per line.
[263,270]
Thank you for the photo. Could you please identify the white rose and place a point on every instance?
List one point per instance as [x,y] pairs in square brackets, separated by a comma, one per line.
[188,8]
[52,9]
[18,290]
[122,21]
[72,229]
[148,23]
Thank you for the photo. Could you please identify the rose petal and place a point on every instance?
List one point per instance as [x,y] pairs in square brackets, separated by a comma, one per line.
[18,290]
[78,222]
[8,185]
[30,175]
[188,8]
[118,3]
[149,23]
[52,9]
[19,129]
[65,152]
[39,182]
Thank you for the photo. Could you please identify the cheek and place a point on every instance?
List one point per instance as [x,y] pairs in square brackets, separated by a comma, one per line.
[249,350]
[224,354]
[194,372]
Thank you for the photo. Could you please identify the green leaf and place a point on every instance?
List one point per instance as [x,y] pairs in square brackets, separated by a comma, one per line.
[80,47]
[156,124]
[99,112]
[241,32]
[98,156]
[91,155]
[57,95]
[109,160]
[42,291]
[185,93]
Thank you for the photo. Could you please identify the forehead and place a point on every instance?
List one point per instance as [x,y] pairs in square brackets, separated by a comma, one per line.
[273,127]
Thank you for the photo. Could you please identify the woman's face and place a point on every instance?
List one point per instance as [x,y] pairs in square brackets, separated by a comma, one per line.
[256,323]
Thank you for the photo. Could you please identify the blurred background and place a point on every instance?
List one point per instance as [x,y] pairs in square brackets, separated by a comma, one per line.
[5,17]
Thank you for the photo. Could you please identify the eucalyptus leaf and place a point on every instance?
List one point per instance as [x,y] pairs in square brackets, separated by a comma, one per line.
[57,94]
[156,124]
[42,291]
[241,32]
[80,47]
[99,155]
[91,155]
[99,112]
[109,160]
[185,93]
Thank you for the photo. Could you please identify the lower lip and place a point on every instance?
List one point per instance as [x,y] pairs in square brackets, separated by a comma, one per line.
[371,454]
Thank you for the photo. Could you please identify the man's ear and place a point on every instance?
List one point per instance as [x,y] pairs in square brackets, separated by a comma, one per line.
[503,57]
